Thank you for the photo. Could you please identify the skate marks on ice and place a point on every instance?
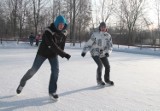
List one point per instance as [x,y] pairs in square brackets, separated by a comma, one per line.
[10,102]
[83,89]
[5,97]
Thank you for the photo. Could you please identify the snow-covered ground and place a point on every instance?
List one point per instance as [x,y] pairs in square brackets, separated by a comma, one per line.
[136,77]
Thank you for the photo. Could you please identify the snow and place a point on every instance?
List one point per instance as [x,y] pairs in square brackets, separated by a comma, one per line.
[137,50]
[136,77]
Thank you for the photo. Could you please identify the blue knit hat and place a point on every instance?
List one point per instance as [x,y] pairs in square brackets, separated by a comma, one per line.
[60,19]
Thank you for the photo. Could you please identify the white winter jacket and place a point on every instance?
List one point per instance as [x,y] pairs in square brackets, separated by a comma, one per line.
[99,44]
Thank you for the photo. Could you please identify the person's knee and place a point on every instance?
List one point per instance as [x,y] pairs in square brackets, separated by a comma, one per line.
[107,66]
[32,71]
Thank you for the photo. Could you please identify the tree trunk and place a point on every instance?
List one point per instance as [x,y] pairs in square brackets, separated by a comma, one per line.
[73,25]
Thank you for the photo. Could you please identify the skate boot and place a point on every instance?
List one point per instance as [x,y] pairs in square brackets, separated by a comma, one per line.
[100,83]
[109,82]
[19,89]
[53,96]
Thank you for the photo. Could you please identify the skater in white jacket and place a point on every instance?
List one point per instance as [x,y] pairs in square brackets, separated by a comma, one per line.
[100,47]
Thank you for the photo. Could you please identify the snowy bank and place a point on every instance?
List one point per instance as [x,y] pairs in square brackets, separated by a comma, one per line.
[137,50]
[121,48]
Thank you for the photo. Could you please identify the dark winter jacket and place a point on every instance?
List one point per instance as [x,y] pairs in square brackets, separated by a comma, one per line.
[53,42]
[31,37]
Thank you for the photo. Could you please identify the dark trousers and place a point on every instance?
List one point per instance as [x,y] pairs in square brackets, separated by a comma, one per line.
[37,42]
[31,41]
[100,62]
[36,65]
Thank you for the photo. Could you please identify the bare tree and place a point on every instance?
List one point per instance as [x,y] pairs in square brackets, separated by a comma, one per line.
[22,10]
[46,18]
[80,17]
[38,5]
[102,10]
[2,22]
[84,17]
[11,7]
[107,8]
[14,14]
[57,7]
[131,11]
[36,13]
[24,16]
[73,24]
[157,8]
[71,17]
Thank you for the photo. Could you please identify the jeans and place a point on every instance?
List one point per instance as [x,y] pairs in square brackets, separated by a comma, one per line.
[36,65]
[31,41]
[100,62]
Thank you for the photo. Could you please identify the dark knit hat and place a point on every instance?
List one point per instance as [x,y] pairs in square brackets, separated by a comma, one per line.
[102,24]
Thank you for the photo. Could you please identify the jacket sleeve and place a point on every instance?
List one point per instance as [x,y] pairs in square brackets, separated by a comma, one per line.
[64,39]
[52,45]
[109,45]
[89,44]
[63,45]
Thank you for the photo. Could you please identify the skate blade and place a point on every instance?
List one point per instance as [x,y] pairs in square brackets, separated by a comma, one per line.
[101,86]
[53,99]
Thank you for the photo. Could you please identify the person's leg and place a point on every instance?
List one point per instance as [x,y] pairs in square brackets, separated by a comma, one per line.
[36,65]
[30,41]
[37,42]
[99,68]
[54,74]
[107,70]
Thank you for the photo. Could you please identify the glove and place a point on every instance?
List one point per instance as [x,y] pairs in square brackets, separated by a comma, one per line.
[67,56]
[83,54]
[101,51]
[106,54]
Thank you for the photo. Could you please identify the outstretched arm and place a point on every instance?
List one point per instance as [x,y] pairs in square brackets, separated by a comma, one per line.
[52,45]
[109,46]
[89,44]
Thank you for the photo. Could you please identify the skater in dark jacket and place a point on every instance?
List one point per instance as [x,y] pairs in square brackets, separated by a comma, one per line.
[31,39]
[100,47]
[52,45]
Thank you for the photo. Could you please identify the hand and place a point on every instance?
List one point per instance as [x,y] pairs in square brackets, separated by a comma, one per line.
[106,54]
[67,56]
[101,51]
[83,54]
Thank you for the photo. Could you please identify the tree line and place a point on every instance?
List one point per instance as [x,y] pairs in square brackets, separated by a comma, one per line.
[131,21]
[127,20]
[18,18]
